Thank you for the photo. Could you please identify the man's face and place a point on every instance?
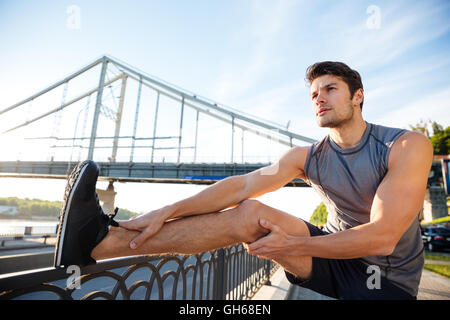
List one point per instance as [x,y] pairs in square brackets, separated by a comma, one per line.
[331,100]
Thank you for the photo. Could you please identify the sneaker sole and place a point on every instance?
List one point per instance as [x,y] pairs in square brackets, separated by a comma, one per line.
[68,194]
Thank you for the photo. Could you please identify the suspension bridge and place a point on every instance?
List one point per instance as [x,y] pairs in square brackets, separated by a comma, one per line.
[137,128]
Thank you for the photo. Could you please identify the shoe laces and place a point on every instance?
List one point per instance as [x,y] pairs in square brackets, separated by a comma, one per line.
[111,221]
[108,217]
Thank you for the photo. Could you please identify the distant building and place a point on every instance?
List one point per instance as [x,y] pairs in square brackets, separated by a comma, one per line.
[8,210]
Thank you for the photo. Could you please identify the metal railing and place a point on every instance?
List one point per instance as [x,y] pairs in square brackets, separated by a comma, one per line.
[14,233]
[25,230]
[224,274]
[4,239]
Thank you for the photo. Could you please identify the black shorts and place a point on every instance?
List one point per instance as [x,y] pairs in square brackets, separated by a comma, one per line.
[346,278]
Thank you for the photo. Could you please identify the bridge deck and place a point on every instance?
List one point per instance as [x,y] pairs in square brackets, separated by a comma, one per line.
[188,173]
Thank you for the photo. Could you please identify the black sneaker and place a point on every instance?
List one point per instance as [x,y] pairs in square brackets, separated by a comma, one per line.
[82,222]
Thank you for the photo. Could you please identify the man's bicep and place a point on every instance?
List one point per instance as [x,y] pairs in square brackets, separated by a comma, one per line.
[400,195]
[270,178]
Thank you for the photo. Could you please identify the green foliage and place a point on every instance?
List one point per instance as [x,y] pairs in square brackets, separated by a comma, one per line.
[319,216]
[421,127]
[33,207]
[125,214]
[442,269]
[437,221]
[42,208]
[436,256]
[440,139]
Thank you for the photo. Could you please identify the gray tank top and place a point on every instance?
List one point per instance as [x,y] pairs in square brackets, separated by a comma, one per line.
[346,180]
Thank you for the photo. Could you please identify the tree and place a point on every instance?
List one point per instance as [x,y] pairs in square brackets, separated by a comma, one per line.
[436,127]
[125,214]
[441,141]
[440,138]
[422,127]
[319,216]
[28,208]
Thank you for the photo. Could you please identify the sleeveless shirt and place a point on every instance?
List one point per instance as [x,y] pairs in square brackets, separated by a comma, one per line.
[347,180]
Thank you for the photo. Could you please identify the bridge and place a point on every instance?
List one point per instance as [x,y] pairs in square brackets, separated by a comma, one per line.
[138,128]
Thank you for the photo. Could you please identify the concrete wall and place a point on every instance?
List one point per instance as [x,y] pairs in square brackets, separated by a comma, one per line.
[435,204]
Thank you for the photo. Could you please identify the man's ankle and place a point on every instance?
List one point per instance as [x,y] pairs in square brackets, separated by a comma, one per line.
[101,250]
[115,244]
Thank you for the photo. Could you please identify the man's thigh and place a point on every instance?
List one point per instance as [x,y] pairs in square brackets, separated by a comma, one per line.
[301,266]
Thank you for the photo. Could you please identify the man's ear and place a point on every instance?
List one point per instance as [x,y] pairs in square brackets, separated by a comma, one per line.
[358,97]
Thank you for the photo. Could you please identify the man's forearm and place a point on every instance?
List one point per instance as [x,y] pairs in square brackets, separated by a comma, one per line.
[221,195]
[362,241]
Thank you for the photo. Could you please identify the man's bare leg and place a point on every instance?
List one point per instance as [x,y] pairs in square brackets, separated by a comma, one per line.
[211,231]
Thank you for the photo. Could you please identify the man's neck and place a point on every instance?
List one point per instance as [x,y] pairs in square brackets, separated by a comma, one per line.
[349,134]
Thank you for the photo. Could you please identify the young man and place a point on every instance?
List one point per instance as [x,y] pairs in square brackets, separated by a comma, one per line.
[371,178]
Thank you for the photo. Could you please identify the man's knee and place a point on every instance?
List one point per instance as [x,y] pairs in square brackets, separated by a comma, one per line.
[248,212]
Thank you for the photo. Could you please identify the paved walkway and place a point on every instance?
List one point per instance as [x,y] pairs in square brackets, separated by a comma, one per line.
[278,289]
[433,287]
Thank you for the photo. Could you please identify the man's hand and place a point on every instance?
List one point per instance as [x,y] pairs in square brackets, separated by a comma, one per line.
[272,245]
[148,224]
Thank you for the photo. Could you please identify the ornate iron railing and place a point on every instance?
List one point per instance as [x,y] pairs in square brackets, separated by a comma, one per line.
[224,274]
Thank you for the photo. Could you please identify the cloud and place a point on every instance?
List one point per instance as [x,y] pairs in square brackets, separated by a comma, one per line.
[267,20]
[381,54]
[402,28]
[389,82]
[434,106]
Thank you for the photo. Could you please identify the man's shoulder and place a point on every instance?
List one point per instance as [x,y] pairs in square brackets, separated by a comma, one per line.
[384,134]
[413,139]
[409,146]
[398,138]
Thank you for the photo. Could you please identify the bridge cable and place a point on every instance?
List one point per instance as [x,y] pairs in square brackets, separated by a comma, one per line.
[57,120]
[86,112]
[136,119]
[154,125]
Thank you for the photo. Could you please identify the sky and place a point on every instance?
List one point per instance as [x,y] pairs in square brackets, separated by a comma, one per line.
[250,55]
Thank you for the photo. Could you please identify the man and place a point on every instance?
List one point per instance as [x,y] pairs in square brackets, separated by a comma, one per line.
[371,178]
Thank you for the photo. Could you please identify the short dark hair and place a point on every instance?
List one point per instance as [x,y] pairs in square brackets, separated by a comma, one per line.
[339,69]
